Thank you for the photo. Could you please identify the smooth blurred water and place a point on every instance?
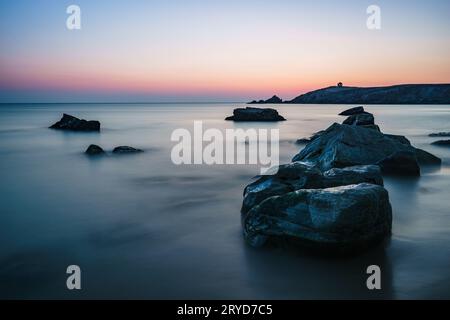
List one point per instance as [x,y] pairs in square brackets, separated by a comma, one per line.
[142,227]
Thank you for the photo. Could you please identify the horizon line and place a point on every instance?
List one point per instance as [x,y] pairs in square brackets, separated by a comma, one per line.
[127,102]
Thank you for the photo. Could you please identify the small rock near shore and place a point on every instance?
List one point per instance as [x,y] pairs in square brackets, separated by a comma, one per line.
[441,143]
[94,150]
[125,150]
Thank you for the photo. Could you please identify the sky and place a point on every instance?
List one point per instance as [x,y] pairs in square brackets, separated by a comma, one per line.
[209,50]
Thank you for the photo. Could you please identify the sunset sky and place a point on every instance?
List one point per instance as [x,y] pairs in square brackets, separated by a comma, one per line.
[210,50]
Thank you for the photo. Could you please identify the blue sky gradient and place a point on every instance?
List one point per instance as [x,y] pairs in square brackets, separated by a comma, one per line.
[231,50]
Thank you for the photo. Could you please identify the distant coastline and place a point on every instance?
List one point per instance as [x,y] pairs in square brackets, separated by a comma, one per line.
[397,94]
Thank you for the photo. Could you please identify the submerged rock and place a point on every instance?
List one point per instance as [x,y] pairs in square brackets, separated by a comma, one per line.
[94,150]
[342,146]
[341,218]
[441,143]
[125,150]
[255,114]
[352,111]
[300,175]
[72,123]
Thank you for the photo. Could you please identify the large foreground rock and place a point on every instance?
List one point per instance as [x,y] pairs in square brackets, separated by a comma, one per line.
[255,114]
[342,146]
[341,218]
[300,175]
[72,123]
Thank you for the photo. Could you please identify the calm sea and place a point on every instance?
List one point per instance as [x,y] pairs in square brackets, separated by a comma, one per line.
[141,227]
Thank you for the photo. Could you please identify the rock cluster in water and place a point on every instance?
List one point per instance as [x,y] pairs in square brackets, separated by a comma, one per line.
[350,144]
[332,196]
[439,134]
[255,114]
[72,123]
[126,149]
[95,150]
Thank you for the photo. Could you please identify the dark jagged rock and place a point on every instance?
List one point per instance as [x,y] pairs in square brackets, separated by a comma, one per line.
[72,123]
[302,141]
[343,218]
[255,114]
[94,150]
[441,143]
[299,175]
[360,119]
[126,150]
[274,99]
[401,162]
[439,134]
[342,145]
[352,111]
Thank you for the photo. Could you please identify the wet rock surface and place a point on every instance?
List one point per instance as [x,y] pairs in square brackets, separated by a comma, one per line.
[344,145]
[343,218]
[300,175]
